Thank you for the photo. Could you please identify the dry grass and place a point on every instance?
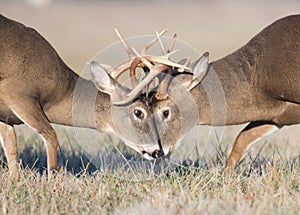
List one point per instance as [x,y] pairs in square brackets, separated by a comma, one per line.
[264,183]
[267,185]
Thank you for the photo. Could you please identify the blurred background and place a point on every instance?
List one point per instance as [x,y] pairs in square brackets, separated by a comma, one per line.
[79,29]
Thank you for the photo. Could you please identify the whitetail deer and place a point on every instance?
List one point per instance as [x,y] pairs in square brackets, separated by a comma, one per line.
[37,88]
[260,83]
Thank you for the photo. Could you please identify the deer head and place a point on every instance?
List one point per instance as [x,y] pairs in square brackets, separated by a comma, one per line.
[142,135]
[177,104]
[173,107]
[133,108]
[155,112]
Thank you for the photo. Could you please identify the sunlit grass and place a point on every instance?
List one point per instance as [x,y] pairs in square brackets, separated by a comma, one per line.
[265,184]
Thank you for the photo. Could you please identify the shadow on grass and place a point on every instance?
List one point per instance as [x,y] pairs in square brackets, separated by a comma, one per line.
[34,157]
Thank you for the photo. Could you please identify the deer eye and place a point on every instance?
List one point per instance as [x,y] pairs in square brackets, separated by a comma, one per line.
[139,114]
[166,114]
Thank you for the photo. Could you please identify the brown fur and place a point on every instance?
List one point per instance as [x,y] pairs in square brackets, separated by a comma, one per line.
[263,77]
[37,88]
[259,83]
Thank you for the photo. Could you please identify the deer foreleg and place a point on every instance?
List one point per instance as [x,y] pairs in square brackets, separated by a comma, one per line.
[9,144]
[29,111]
[251,134]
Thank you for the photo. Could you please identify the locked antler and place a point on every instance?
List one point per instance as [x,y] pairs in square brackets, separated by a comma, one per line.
[154,64]
[165,82]
[119,70]
[165,59]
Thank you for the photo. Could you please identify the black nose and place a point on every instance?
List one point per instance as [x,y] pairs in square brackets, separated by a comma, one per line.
[158,153]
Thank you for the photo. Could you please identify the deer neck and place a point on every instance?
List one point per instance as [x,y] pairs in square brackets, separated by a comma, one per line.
[82,105]
[225,95]
[90,107]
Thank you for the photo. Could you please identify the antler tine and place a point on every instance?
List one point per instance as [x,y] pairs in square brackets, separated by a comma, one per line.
[156,70]
[165,61]
[133,77]
[143,52]
[160,43]
[127,48]
[164,84]
[117,71]
[133,67]
[172,42]
[168,55]
[163,87]
[144,60]
[187,61]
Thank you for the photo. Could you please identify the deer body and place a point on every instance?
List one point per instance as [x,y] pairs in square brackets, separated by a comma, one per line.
[37,88]
[273,60]
[260,83]
[262,77]
[24,53]
[261,80]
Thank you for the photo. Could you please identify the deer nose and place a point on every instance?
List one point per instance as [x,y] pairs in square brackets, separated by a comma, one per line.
[157,153]
[154,155]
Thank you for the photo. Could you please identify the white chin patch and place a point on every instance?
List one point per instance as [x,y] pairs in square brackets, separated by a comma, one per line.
[166,151]
[147,156]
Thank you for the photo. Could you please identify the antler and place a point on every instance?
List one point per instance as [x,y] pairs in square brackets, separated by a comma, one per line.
[155,64]
[165,82]
[125,45]
[144,51]
[146,60]
[172,42]
[155,71]
[119,70]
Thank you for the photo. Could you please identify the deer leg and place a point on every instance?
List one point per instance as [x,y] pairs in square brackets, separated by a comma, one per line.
[30,112]
[9,144]
[251,134]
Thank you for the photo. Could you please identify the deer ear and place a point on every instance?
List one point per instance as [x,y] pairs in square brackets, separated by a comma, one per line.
[200,69]
[102,80]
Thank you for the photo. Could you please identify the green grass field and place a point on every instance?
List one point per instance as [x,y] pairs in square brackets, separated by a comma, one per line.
[265,182]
